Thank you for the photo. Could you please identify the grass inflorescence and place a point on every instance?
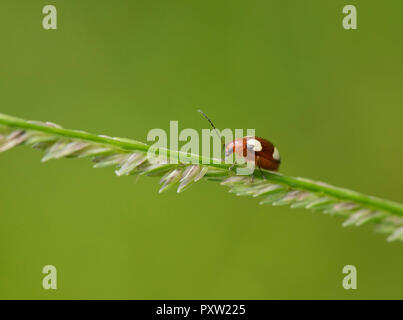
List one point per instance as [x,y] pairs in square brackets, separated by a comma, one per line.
[129,157]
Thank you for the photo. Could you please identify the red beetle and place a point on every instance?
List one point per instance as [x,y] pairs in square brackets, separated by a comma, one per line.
[253,149]
[261,151]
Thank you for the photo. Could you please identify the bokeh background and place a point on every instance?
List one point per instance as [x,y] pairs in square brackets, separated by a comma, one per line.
[330,99]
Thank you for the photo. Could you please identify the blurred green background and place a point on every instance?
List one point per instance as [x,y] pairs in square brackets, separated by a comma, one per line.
[330,99]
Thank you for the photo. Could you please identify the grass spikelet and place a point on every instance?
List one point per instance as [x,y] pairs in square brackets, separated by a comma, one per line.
[288,198]
[357,216]
[13,139]
[133,161]
[320,204]
[274,197]
[189,176]
[170,179]
[110,161]
[396,235]
[156,170]
[201,174]
[92,151]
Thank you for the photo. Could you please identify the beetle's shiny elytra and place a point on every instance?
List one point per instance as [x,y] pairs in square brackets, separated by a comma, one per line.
[254,149]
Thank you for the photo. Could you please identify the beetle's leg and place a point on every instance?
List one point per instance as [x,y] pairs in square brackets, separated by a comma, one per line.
[261,172]
[260,169]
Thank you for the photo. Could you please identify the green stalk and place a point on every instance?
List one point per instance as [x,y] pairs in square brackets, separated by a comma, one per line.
[131,146]
[124,144]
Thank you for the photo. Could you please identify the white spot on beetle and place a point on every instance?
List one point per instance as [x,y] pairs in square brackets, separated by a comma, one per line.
[254,145]
[276,154]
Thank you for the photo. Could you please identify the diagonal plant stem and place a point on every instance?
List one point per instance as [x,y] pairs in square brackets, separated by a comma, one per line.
[132,145]
[124,144]
[131,157]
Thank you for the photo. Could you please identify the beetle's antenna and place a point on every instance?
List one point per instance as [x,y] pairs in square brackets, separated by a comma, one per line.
[211,122]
